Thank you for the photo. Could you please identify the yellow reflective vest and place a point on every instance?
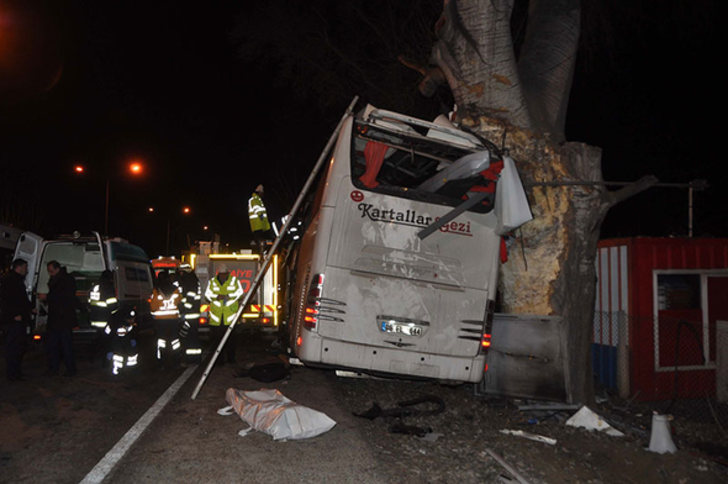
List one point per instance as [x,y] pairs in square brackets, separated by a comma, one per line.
[257,214]
[224,299]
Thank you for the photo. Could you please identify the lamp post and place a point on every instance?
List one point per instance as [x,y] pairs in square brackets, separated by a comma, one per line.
[135,168]
[185,211]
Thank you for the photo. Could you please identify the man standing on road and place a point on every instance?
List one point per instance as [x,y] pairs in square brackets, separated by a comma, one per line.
[165,311]
[62,304]
[258,215]
[122,329]
[15,309]
[190,315]
[224,292]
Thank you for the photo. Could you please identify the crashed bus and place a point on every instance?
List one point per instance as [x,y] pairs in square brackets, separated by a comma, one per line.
[397,268]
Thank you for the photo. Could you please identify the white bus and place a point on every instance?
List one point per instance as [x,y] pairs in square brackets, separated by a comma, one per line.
[370,293]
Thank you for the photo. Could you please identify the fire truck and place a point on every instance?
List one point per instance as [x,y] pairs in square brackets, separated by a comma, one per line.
[262,312]
[170,265]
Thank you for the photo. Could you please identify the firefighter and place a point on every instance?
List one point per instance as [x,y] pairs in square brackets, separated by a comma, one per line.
[190,316]
[165,311]
[122,329]
[224,292]
[259,224]
[104,305]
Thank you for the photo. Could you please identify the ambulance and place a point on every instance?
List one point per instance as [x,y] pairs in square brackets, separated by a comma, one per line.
[85,257]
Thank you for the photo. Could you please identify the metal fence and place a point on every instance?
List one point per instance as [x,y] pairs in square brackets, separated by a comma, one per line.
[669,365]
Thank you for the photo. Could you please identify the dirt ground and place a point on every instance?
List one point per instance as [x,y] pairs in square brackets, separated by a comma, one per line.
[471,426]
[56,430]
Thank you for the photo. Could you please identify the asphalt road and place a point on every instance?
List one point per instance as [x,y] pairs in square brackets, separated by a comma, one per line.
[57,429]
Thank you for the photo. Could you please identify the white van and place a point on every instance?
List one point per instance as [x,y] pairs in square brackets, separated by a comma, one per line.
[85,257]
[372,292]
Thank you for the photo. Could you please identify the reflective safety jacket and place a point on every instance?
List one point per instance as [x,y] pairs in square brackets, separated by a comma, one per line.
[191,299]
[164,306]
[223,299]
[103,302]
[257,214]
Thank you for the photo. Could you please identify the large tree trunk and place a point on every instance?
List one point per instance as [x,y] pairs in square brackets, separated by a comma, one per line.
[551,270]
[554,273]
[522,105]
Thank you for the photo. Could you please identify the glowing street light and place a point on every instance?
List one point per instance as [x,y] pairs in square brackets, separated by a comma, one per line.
[185,210]
[135,168]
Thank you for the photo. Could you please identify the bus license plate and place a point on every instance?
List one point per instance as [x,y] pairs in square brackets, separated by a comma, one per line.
[410,329]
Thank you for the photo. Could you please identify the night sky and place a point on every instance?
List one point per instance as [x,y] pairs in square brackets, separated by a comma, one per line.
[101,83]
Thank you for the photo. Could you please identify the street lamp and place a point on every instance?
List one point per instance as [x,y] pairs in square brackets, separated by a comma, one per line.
[135,168]
[185,211]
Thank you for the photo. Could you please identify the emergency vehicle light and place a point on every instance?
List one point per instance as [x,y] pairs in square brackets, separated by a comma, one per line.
[235,256]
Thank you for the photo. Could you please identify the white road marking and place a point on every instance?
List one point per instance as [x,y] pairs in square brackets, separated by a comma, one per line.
[112,457]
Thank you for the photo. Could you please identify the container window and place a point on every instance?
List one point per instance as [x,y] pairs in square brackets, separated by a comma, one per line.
[678,291]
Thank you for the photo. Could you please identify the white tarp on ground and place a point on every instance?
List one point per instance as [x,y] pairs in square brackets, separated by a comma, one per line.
[270,412]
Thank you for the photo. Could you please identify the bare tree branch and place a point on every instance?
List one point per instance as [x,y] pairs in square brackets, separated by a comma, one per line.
[615,197]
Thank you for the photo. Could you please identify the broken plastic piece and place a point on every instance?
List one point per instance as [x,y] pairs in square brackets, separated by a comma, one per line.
[530,436]
[431,437]
[587,419]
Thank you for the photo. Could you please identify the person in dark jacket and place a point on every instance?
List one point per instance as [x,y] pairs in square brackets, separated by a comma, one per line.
[124,349]
[15,310]
[62,304]
[190,317]
[104,305]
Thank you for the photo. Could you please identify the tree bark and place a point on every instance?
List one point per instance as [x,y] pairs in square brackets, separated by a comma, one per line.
[551,270]
[475,53]
[546,64]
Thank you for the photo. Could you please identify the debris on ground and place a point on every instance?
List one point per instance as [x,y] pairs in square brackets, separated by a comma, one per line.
[410,408]
[529,436]
[507,466]
[265,372]
[431,437]
[587,419]
[472,424]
